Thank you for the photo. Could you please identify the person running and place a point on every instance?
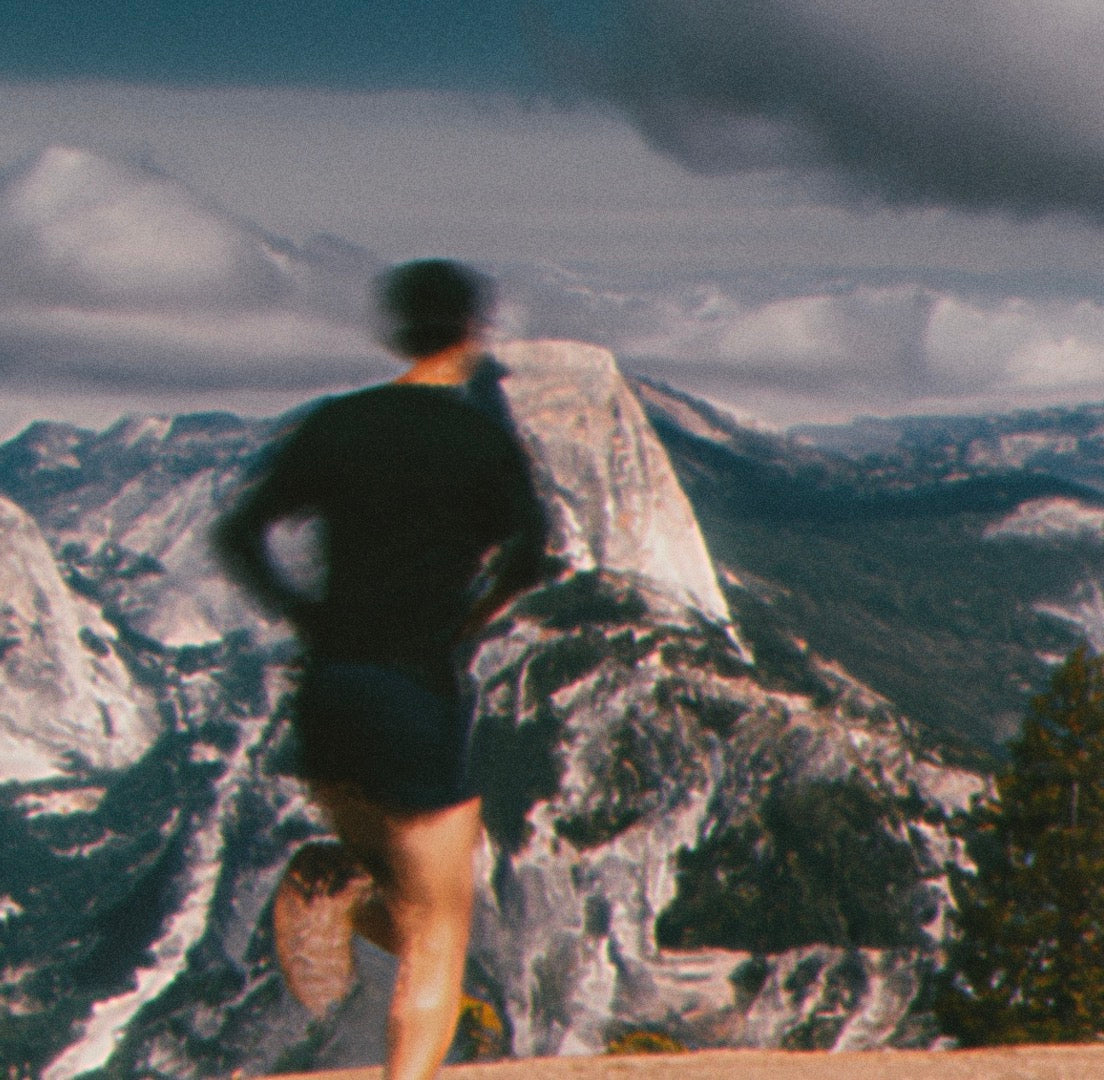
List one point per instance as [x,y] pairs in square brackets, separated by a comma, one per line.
[429,526]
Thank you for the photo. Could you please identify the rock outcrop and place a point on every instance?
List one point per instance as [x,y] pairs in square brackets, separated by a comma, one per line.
[630,760]
[617,502]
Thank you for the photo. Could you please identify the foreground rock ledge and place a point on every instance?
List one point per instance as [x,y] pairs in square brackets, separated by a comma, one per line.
[1011,1063]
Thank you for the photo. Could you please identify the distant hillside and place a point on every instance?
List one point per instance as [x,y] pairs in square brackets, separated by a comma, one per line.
[1065,442]
[913,567]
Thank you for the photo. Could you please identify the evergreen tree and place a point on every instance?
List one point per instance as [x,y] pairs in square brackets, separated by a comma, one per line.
[1028,965]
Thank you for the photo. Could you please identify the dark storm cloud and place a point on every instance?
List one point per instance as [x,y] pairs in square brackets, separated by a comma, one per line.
[333,44]
[977,103]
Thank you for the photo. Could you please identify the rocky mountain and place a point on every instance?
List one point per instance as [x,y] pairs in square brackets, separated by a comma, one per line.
[65,695]
[948,562]
[1066,442]
[719,751]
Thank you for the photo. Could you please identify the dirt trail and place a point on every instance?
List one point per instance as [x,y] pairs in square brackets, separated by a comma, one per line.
[1019,1063]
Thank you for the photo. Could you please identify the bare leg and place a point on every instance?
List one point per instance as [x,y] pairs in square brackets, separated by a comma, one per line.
[422,863]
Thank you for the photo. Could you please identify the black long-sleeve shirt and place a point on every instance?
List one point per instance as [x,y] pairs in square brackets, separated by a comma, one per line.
[414,486]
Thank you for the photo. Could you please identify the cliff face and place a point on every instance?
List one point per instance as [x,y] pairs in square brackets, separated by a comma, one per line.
[618,504]
[676,842]
[65,695]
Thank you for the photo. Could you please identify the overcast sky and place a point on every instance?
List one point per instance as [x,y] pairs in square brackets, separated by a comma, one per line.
[802,209]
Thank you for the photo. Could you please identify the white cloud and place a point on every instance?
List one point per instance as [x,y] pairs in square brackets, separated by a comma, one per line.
[204,339]
[833,353]
[79,228]
[120,275]
[123,284]
[1046,346]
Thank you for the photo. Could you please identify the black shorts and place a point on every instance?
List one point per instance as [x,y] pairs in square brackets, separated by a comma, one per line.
[400,743]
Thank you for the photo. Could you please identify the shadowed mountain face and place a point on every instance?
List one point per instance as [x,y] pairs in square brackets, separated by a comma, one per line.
[731,834]
[948,570]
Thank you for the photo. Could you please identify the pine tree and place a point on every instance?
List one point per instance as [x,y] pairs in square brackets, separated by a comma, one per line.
[1028,964]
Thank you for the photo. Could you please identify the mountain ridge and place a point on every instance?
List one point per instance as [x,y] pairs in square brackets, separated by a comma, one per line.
[908,567]
[658,790]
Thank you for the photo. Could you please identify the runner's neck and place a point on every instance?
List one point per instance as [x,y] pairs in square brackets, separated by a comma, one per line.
[449,367]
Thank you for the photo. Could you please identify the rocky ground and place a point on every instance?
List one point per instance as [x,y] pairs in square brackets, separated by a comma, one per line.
[1012,1063]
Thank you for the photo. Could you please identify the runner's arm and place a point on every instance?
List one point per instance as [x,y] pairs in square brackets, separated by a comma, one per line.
[240,537]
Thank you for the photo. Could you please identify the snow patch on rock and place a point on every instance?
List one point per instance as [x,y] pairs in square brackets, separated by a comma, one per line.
[1084,610]
[1045,519]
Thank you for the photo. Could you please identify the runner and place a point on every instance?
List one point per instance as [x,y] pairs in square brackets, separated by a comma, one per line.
[429,526]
